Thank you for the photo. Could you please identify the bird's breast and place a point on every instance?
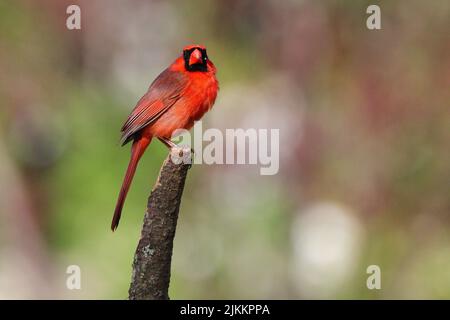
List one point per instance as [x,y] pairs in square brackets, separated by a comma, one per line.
[197,98]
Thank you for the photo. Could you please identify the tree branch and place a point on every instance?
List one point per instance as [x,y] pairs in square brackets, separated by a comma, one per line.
[151,265]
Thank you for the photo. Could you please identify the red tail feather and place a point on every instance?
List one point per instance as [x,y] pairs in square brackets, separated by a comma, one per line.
[137,150]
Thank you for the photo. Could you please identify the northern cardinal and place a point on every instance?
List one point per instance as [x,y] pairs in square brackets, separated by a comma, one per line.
[180,95]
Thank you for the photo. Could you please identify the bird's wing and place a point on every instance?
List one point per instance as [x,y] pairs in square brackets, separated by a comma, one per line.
[161,95]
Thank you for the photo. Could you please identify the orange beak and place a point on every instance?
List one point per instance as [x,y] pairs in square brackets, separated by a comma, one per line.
[196,57]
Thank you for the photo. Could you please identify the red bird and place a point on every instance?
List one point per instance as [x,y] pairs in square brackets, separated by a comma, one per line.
[180,95]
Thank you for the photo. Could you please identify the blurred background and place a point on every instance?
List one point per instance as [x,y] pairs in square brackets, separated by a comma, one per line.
[364,121]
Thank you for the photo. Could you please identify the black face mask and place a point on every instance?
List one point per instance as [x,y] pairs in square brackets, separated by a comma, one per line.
[198,66]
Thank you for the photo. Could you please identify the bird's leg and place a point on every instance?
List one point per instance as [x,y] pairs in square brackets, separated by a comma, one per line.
[170,144]
[167,142]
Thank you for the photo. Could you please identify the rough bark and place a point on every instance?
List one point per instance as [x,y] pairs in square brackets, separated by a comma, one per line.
[152,260]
